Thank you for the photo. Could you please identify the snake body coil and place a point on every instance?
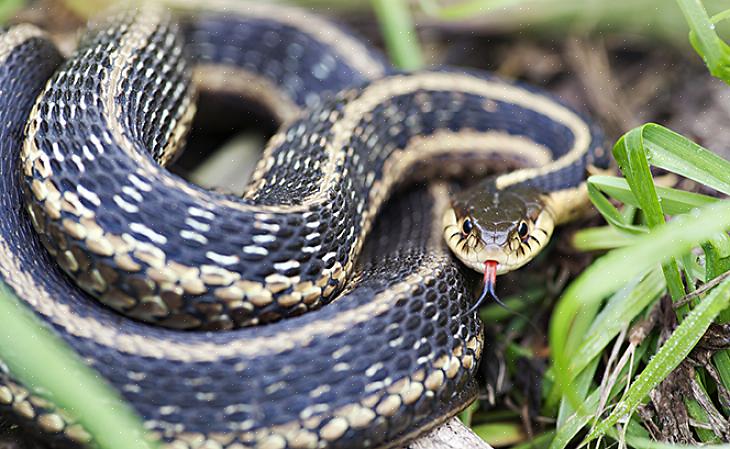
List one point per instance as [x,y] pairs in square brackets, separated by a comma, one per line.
[393,354]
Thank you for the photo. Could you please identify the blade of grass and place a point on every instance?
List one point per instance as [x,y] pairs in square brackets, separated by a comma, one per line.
[588,410]
[674,152]
[722,363]
[42,362]
[619,312]
[581,387]
[399,33]
[705,40]
[8,8]
[610,213]
[699,415]
[539,442]
[671,151]
[570,428]
[464,8]
[466,415]
[610,272]
[669,356]
[673,201]
[647,443]
[633,160]
[600,238]
[500,434]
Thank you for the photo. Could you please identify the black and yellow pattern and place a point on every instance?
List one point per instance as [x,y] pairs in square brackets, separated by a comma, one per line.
[393,354]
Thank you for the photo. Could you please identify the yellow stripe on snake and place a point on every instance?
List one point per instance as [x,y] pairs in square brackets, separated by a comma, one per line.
[333,328]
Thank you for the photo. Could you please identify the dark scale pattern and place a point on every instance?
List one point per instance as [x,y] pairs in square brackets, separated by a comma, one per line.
[305,68]
[23,72]
[155,92]
[358,350]
[236,247]
[123,208]
[429,318]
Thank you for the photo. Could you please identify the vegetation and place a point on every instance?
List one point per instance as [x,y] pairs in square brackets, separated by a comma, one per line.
[619,334]
[626,334]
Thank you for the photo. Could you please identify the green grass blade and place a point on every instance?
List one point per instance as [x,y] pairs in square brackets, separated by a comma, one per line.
[647,443]
[581,388]
[463,9]
[612,271]
[633,159]
[721,360]
[705,40]
[699,415]
[673,201]
[670,355]
[466,415]
[42,362]
[500,433]
[8,8]
[539,442]
[601,238]
[577,421]
[620,311]
[399,33]
[674,152]
[610,213]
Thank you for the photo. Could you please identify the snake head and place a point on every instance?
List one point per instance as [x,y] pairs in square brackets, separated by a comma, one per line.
[508,226]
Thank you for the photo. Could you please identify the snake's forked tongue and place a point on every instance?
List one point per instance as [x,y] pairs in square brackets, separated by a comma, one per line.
[490,281]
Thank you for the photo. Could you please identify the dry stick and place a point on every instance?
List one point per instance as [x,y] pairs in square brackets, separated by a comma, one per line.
[706,287]
[450,435]
[716,422]
[610,375]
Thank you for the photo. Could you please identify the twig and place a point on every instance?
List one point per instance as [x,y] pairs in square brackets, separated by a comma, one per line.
[450,435]
[706,287]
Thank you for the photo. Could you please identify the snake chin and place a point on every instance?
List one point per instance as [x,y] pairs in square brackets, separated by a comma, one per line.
[507,226]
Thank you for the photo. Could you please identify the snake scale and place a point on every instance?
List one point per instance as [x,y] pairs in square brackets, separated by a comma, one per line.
[323,339]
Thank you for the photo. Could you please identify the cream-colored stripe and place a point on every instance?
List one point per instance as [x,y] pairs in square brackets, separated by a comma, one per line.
[378,92]
[86,327]
[16,36]
[440,195]
[349,48]
[568,204]
[149,346]
[421,149]
[235,80]
[381,90]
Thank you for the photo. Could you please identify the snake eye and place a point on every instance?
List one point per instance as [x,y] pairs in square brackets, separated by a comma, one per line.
[523,231]
[467,226]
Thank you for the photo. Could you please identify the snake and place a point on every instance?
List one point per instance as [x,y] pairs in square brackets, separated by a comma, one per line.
[330,305]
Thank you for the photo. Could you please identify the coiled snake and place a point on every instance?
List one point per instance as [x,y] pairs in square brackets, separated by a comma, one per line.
[392,351]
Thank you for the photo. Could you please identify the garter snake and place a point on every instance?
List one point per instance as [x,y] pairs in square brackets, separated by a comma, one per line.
[385,349]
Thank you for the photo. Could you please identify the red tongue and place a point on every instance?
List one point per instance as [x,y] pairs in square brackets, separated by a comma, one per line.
[490,280]
[490,272]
